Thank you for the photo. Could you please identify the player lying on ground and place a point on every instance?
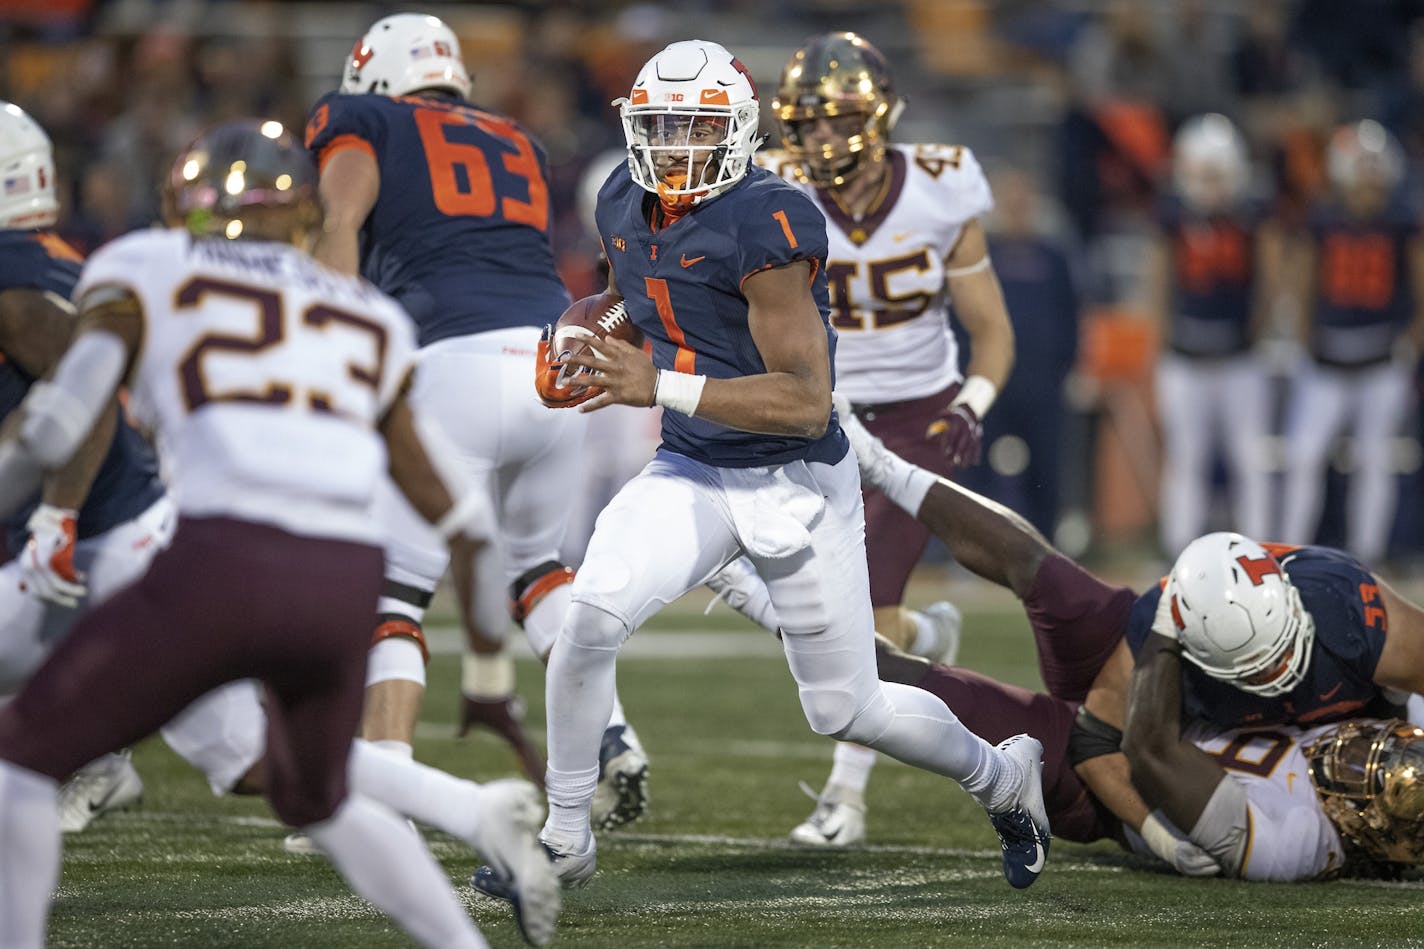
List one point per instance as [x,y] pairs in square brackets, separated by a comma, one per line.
[1328,641]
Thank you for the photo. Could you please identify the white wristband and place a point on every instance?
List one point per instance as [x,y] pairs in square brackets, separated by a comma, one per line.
[679,391]
[978,393]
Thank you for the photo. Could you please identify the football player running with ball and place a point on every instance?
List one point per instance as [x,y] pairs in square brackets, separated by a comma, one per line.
[445,206]
[904,242]
[722,267]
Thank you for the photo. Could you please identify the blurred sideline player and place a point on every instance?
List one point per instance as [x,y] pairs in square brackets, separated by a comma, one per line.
[1210,281]
[277,387]
[1297,635]
[1362,321]
[905,240]
[720,264]
[445,207]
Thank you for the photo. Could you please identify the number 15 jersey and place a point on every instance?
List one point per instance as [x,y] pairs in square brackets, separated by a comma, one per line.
[459,234]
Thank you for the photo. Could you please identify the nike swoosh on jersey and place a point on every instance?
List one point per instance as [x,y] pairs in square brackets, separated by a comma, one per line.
[1327,696]
[1037,864]
[688,263]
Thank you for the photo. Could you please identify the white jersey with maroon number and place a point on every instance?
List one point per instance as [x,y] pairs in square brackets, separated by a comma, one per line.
[263,375]
[1288,836]
[887,271]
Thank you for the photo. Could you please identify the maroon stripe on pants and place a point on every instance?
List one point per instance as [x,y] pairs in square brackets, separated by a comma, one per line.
[1077,621]
[894,540]
[227,600]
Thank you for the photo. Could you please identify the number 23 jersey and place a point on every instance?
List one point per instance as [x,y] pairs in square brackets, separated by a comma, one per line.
[459,234]
[886,271]
[263,375]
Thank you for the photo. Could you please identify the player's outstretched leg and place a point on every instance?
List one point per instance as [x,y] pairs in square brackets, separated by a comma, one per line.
[1023,825]
[107,784]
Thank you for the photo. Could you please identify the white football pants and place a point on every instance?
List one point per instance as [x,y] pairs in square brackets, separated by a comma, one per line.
[671,528]
[526,457]
[1202,404]
[1370,404]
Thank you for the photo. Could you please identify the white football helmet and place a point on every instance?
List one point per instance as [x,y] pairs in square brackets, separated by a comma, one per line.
[26,170]
[1238,616]
[1209,162]
[690,122]
[406,53]
[1364,153]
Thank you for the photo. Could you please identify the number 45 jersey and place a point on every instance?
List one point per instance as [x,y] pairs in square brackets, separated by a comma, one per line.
[263,375]
[459,234]
[886,270]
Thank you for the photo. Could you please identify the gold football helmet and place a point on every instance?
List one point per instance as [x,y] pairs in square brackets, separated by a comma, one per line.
[841,78]
[248,179]
[1370,779]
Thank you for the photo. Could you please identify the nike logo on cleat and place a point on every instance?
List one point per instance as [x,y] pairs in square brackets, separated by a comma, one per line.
[1037,864]
[689,262]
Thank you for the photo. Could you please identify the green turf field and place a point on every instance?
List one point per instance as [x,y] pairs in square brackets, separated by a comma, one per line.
[708,866]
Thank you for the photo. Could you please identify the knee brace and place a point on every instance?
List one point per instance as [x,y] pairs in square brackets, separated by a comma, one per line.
[401,608]
[533,585]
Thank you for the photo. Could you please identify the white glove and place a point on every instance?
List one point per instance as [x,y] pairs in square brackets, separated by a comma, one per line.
[47,563]
[1184,856]
[1163,624]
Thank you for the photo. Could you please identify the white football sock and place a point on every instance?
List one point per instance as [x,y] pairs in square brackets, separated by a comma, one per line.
[396,747]
[387,864]
[616,717]
[851,766]
[29,855]
[415,790]
[579,701]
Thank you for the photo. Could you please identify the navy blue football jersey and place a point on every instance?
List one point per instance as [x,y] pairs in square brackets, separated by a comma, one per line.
[683,289]
[127,482]
[1343,598]
[459,234]
[1363,299]
[1213,275]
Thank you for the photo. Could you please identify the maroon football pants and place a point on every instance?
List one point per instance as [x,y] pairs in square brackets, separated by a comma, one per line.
[227,600]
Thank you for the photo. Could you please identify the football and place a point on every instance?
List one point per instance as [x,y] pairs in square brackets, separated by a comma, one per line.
[586,322]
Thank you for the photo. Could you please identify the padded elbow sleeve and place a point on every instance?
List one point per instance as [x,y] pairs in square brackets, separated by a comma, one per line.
[59,413]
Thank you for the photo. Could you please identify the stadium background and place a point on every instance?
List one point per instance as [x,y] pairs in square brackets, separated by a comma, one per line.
[1081,99]
[1074,100]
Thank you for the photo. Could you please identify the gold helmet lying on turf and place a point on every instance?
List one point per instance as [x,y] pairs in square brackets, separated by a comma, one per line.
[837,76]
[1370,779]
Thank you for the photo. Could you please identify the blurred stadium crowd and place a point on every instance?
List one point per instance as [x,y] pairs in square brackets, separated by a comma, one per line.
[1071,105]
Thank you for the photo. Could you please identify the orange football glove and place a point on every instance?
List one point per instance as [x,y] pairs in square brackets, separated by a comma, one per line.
[547,378]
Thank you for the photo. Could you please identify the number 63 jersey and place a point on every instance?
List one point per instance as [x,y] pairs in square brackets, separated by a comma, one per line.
[263,375]
[460,230]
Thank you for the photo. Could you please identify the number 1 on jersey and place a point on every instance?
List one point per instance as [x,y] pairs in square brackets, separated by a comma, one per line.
[657,289]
